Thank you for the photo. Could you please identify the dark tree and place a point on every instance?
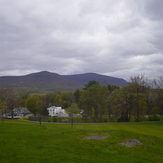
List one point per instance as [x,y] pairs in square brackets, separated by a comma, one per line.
[121,101]
[159,94]
[10,99]
[95,97]
[111,88]
[90,83]
[138,88]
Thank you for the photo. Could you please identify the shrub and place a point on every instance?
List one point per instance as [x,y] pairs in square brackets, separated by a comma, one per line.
[55,119]
[123,119]
[33,118]
[154,117]
[25,118]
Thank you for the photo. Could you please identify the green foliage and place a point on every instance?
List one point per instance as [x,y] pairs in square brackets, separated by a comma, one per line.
[54,119]
[33,118]
[154,117]
[2,108]
[134,102]
[73,109]
[94,101]
[90,83]
[34,104]
[23,96]
[2,104]
[77,95]
[111,88]
[63,99]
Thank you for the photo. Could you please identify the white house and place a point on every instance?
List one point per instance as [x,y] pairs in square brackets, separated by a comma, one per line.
[19,113]
[57,112]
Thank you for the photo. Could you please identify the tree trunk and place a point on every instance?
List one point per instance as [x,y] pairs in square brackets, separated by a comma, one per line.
[12,114]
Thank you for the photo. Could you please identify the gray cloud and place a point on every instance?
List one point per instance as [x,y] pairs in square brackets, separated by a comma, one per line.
[121,38]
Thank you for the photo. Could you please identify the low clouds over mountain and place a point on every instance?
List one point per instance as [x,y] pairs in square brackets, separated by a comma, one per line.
[119,38]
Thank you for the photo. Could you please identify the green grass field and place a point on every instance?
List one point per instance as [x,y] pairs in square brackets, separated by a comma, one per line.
[22,141]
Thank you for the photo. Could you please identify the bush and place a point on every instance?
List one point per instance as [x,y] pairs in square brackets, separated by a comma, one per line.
[78,119]
[154,117]
[86,119]
[55,119]
[142,118]
[64,120]
[123,119]
[112,118]
[33,118]
[25,118]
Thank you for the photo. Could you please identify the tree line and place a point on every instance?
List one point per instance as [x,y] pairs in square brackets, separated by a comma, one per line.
[140,100]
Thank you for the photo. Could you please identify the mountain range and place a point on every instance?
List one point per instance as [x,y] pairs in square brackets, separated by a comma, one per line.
[43,82]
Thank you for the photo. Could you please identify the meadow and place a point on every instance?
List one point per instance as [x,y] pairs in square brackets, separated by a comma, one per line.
[23,141]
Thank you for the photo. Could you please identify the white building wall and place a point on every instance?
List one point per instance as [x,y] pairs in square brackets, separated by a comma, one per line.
[57,112]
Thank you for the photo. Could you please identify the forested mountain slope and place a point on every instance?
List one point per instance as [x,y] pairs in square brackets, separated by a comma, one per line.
[40,82]
[47,82]
[103,79]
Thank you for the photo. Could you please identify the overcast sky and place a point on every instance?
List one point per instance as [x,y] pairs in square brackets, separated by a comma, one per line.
[119,38]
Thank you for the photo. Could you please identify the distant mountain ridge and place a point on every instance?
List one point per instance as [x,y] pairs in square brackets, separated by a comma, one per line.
[103,79]
[40,82]
[47,81]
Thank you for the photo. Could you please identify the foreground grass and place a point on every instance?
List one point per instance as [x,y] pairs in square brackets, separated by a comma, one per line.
[30,142]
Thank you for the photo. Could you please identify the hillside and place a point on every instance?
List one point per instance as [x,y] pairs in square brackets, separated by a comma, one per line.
[103,79]
[40,82]
[43,82]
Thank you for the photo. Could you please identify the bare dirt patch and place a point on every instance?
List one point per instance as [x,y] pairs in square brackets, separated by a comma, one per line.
[96,137]
[131,143]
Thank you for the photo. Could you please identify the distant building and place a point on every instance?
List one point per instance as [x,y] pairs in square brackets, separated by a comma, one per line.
[57,112]
[19,113]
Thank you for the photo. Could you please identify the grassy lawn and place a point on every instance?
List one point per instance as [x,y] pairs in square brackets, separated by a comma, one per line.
[24,142]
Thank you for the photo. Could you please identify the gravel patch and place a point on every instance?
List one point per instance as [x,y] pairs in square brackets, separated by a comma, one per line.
[131,143]
[96,137]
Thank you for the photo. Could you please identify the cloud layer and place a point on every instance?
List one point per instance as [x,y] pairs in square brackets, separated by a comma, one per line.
[120,38]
